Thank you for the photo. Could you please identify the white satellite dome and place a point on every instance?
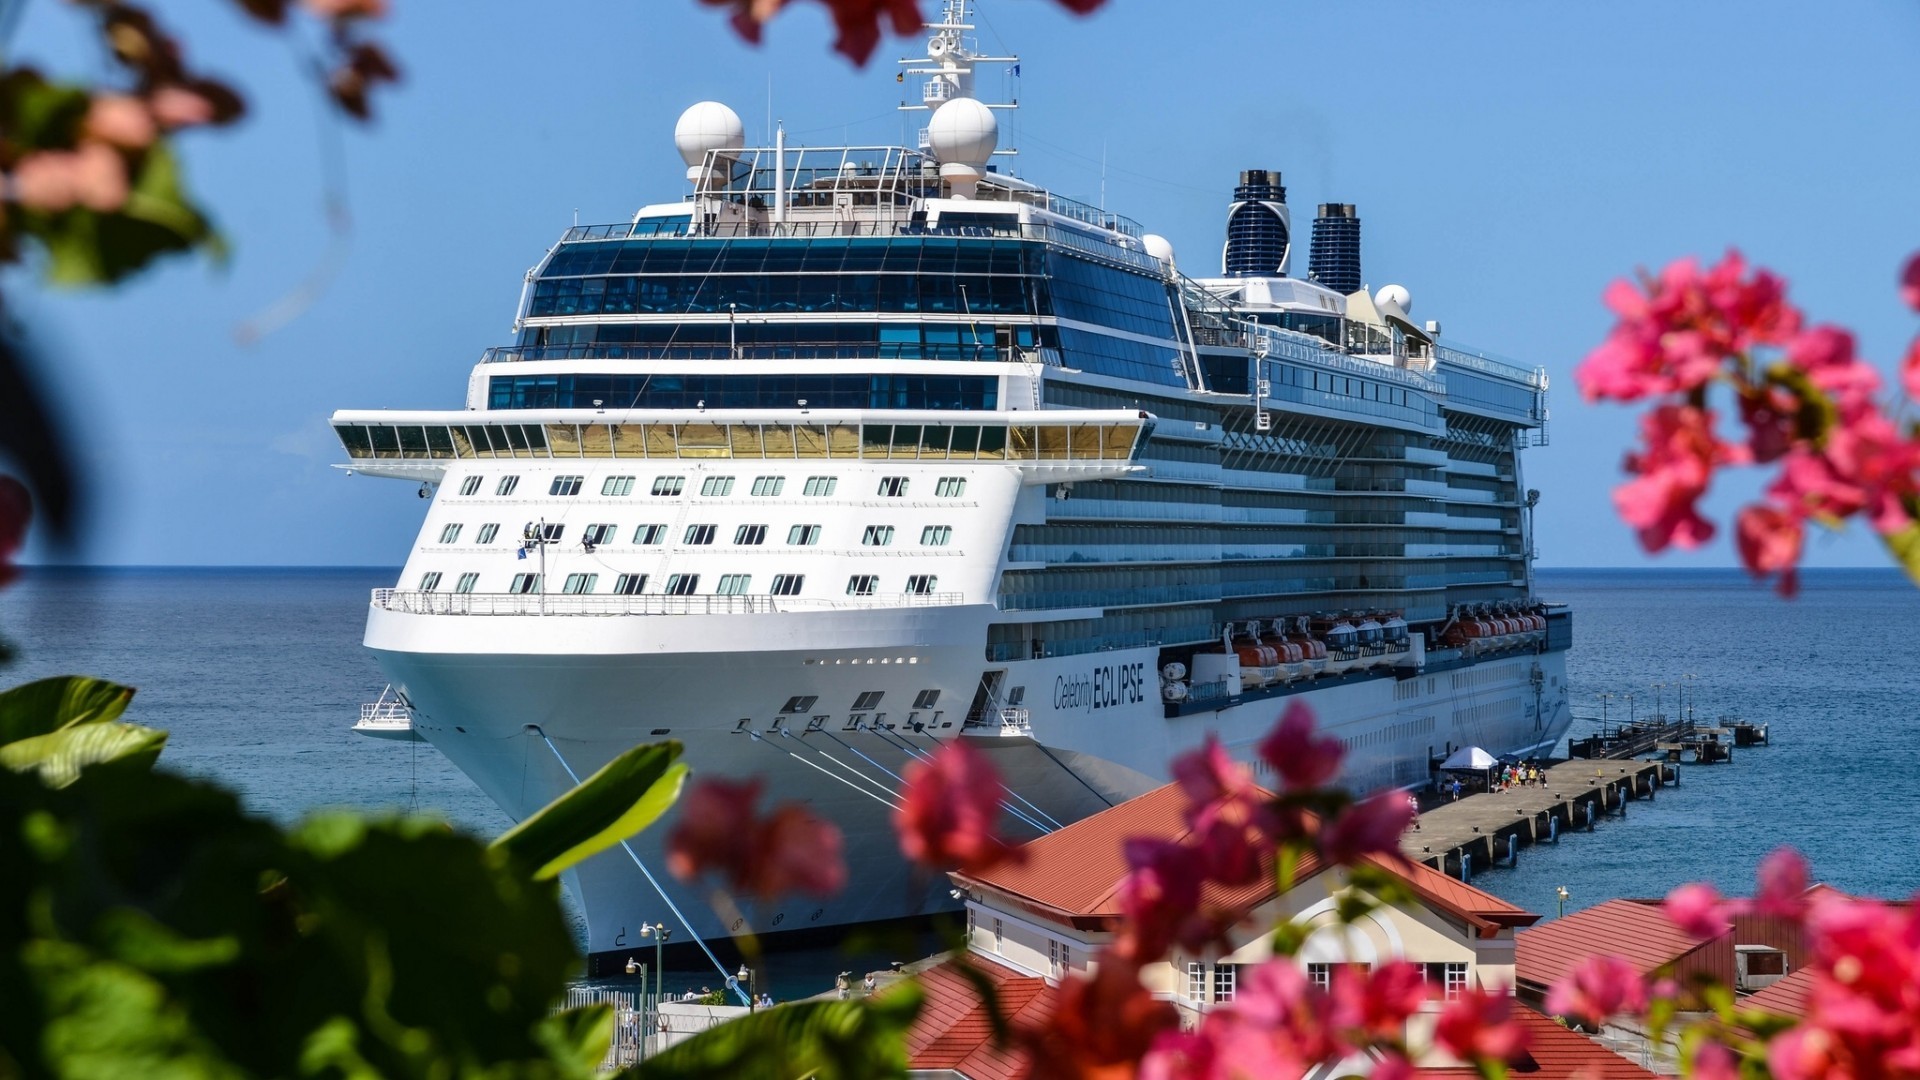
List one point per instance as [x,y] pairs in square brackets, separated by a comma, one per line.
[1159,247]
[963,132]
[1396,295]
[707,126]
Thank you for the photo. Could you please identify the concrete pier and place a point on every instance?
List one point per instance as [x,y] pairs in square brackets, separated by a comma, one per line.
[1480,831]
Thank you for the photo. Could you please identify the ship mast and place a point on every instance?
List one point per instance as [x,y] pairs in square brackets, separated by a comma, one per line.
[950,64]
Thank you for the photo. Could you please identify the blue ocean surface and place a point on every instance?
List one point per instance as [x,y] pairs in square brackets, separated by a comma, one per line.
[259,675]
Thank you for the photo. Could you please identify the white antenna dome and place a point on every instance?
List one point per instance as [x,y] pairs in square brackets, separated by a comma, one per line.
[1396,295]
[705,127]
[963,132]
[1159,247]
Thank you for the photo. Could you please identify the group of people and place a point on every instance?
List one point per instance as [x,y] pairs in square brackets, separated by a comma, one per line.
[1519,774]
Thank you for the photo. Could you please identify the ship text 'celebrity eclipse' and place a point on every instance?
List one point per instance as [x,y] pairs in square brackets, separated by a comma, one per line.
[849,451]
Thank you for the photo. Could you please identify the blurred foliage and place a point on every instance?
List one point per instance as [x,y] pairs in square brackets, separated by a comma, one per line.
[831,1040]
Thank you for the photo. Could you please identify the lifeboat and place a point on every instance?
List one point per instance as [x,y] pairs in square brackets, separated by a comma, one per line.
[1173,683]
[1394,629]
[1311,648]
[1369,632]
[1259,664]
[1292,658]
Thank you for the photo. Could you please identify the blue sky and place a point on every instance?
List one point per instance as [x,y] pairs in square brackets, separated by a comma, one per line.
[1508,160]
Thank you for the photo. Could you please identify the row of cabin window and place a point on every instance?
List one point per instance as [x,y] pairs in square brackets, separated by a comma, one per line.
[1450,979]
[679,584]
[715,487]
[599,535]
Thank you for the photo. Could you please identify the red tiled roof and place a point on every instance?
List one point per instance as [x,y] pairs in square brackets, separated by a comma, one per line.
[1075,873]
[1639,933]
[953,1030]
[1553,1053]
[1787,997]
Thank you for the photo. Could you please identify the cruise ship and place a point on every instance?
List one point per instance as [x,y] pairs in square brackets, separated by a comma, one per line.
[843,452]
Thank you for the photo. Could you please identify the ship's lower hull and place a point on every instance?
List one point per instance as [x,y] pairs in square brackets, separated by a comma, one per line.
[523,724]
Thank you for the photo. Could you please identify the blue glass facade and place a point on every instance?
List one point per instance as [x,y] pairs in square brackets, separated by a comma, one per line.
[583,391]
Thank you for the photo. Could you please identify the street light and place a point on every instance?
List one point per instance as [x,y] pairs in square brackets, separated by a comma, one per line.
[1692,693]
[1604,698]
[1659,717]
[1563,893]
[745,976]
[658,932]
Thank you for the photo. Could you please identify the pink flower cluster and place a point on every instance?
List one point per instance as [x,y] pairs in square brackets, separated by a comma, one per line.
[788,850]
[948,809]
[856,22]
[1804,395]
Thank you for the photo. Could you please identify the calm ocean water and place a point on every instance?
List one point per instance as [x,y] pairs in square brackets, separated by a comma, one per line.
[259,674]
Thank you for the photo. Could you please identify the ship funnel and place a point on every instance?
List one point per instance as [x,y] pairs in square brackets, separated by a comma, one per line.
[1334,258]
[1259,227]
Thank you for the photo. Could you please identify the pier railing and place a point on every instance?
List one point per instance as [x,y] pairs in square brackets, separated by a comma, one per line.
[416,602]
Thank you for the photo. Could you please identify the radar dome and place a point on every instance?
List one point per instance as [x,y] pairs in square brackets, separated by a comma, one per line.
[1396,295]
[707,126]
[963,132]
[1159,247]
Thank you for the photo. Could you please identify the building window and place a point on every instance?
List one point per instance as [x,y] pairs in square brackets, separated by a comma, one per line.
[617,485]
[868,700]
[669,485]
[579,583]
[927,699]
[999,935]
[733,584]
[893,487]
[597,535]
[506,485]
[799,704]
[1449,979]
[1225,976]
[682,584]
[471,484]
[821,485]
[1321,975]
[700,534]
[1196,981]
[750,535]
[936,535]
[950,487]
[1066,956]
[488,531]
[630,584]
[650,534]
[429,582]
[769,485]
[787,584]
[803,535]
[565,485]
[877,536]
[525,583]
[714,487]
[466,583]
[922,584]
[543,531]
[862,584]
[451,534]
[1053,956]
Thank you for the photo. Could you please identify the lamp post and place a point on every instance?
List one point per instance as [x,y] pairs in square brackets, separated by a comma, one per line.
[745,975]
[1562,893]
[1692,692]
[658,932]
[1659,717]
[1604,698]
[1632,716]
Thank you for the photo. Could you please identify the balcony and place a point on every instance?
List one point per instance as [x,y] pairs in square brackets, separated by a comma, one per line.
[415,602]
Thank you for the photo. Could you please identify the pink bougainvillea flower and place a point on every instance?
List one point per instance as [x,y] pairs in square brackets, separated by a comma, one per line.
[1783,881]
[1599,987]
[1374,1006]
[1392,1065]
[122,120]
[1826,354]
[1910,282]
[720,831]
[1372,826]
[1910,370]
[347,9]
[1802,1053]
[1301,758]
[1210,774]
[948,810]
[16,508]
[1714,1061]
[1100,1025]
[1160,899]
[1673,471]
[1698,909]
[1769,540]
[176,107]
[1479,1025]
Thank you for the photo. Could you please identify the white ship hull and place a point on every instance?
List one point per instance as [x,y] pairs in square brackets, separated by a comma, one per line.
[515,720]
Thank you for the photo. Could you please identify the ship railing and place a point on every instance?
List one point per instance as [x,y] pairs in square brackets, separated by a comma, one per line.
[1491,365]
[383,713]
[821,350]
[1016,720]
[416,602]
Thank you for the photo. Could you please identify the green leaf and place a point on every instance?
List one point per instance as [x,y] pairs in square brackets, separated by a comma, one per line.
[578,1037]
[86,247]
[60,702]
[624,797]
[831,1040]
[60,755]
[1905,546]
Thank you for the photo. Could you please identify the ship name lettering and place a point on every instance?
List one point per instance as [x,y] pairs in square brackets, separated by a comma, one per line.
[1106,687]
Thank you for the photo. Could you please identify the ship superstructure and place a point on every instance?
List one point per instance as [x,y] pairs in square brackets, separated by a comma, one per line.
[854,450]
